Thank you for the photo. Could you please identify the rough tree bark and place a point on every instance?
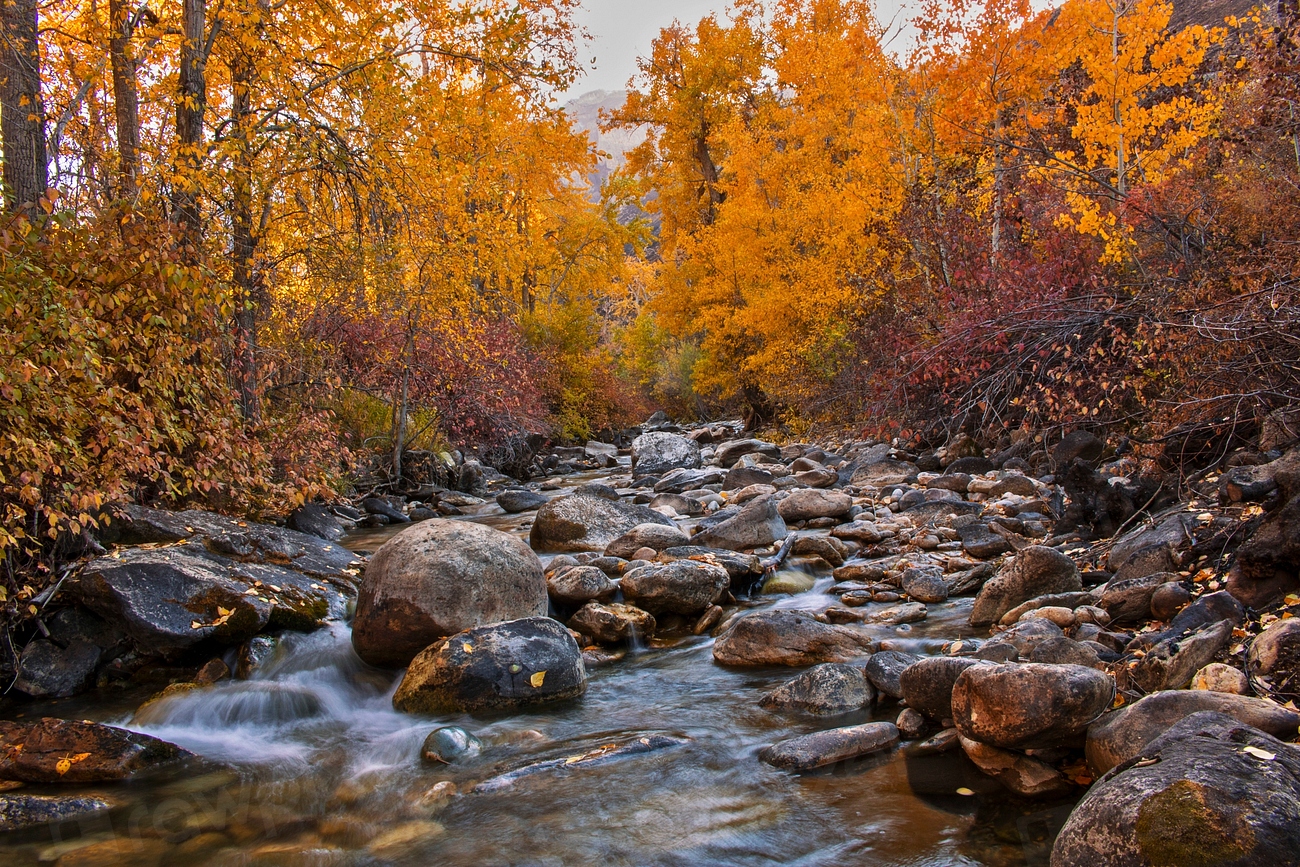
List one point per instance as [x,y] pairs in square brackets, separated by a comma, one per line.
[190,106]
[126,96]
[22,118]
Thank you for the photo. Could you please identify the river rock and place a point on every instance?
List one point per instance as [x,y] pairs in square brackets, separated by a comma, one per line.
[832,550]
[503,666]
[1122,734]
[1035,571]
[20,811]
[45,669]
[1207,610]
[513,502]
[579,585]
[738,565]
[1218,677]
[827,689]
[883,473]
[784,637]
[1274,659]
[788,582]
[438,578]
[655,536]
[728,453]
[758,524]
[804,505]
[315,519]
[1029,706]
[450,744]
[1267,565]
[681,481]
[927,684]
[1022,774]
[1129,600]
[67,751]
[885,671]
[585,522]
[739,478]
[826,748]
[925,584]
[681,587]
[1172,662]
[981,542]
[1169,599]
[654,454]
[615,623]
[1210,790]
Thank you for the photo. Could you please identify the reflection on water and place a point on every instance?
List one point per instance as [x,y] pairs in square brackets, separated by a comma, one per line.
[308,764]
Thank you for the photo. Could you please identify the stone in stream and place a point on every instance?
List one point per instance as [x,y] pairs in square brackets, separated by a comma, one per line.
[1029,706]
[927,684]
[812,503]
[1035,571]
[45,669]
[602,755]
[1274,658]
[20,811]
[783,637]
[67,751]
[681,481]
[827,689]
[758,524]
[585,522]
[885,671]
[655,536]
[739,566]
[438,578]
[819,749]
[1022,774]
[654,454]
[614,623]
[925,584]
[1172,663]
[680,587]
[513,502]
[1209,791]
[578,585]
[788,582]
[981,542]
[1208,609]
[503,666]
[450,744]
[832,550]
[729,452]
[1129,600]
[739,478]
[1122,734]
[315,519]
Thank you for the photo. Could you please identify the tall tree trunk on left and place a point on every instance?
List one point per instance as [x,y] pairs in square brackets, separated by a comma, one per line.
[190,105]
[22,118]
[126,96]
[243,240]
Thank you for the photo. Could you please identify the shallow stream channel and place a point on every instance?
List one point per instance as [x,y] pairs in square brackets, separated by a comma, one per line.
[307,763]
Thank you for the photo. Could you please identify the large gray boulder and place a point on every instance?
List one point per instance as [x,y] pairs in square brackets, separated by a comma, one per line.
[586,522]
[758,524]
[1210,791]
[438,578]
[827,689]
[681,587]
[783,637]
[654,536]
[809,503]
[654,454]
[502,666]
[927,684]
[1029,706]
[729,452]
[1122,734]
[1035,571]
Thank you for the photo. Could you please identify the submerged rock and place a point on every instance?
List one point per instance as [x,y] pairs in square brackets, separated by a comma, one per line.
[1025,775]
[450,744]
[830,688]
[438,578]
[502,666]
[826,748]
[20,811]
[614,623]
[68,751]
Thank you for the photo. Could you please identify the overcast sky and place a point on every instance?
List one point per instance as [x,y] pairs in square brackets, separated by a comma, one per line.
[622,31]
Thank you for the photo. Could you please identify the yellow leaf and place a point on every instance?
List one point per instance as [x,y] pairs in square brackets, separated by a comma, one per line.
[965,791]
[62,766]
[1265,755]
[467,647]
[536,679]
[224,612]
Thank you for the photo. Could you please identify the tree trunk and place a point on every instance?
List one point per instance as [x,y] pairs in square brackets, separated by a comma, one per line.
[243,241]
[22,118]
[190,105]
[126,96]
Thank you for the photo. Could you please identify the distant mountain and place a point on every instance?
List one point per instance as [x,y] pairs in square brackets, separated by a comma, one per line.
[585,111]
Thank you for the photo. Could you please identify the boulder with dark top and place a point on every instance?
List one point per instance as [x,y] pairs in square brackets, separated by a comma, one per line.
[804,505]
[1207,610]
[827,689]
[1128,600]
[981,542]
[883,472]
[739,566]
[757,525]
[654,454]
[514,502]
[680,481]
[729,452]
[1172,663]
[927,684]
[885,671]
[655,536]
[1029,706]
[380,506]
[1034,571]
[68,751]
[502,666]
[791,638]
[742,477]
[680,587]
[925,584]
[46,669]
[315,519]
[1209,791]
[1122,734]
[819,749]
[1267,565]
[438,578]
[584,522]
[579,585]
[1274,659]
[614,623]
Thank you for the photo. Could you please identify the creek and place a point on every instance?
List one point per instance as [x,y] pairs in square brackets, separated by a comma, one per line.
[308,764]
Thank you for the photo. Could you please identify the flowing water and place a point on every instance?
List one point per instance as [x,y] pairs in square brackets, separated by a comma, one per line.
[308,764]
